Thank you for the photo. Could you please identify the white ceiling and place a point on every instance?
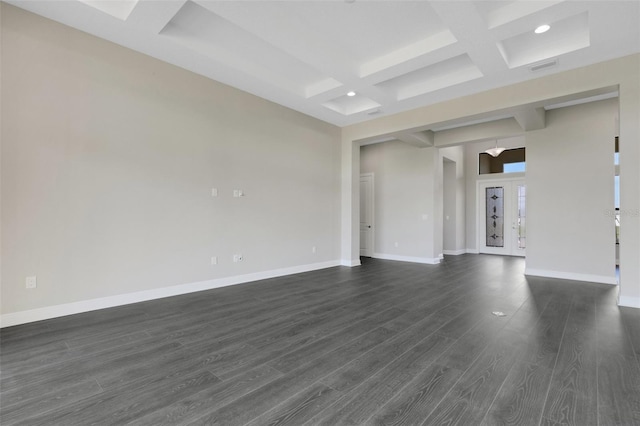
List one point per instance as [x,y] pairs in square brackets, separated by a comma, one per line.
[396,55]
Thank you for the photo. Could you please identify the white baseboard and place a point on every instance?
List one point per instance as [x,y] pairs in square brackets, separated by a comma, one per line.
[351,263]
[427,260]
[473,251]
[630,302]
[22,317]
[602,279]
[455,252]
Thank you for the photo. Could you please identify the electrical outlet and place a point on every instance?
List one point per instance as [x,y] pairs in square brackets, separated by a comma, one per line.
[313,249]
[214,260]
[214,192]
[237,258]
[31,282]
[396,244]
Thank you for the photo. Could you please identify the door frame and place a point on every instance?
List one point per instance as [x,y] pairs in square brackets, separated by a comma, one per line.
[480,212]
[371,203]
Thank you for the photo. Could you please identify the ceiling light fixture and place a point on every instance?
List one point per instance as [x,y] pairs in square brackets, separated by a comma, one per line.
[494,152]
[542,29]
[351,93]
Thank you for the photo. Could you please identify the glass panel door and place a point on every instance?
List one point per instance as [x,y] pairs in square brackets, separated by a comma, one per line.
[495,216]
[502,225]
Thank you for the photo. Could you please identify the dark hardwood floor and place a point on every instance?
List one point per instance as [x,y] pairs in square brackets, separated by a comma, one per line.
[387,343]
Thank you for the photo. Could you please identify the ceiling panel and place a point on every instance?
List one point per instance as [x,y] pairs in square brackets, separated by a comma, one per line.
[120,9]
[434,77]
[564,36]
[201,30]
[396,55]
[347,105]
[498,13]
[361,29]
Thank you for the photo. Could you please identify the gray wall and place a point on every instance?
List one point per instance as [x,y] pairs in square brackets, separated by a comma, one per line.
[449,205]
[453,187]
[404,199]
[108,161]
[570,174]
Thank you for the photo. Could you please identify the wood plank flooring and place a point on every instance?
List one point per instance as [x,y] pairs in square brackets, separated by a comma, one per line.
[387,343]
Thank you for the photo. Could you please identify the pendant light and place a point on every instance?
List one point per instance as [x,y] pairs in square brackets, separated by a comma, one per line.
[494,152]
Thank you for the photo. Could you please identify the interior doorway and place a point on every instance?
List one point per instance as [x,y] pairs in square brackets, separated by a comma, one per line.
[366,214]
[502,217]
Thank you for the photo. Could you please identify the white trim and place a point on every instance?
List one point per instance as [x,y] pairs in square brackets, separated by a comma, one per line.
[22,317]
[351,263]
[454,252]
[473,251]
[602,279]
[630,302]
[427,260]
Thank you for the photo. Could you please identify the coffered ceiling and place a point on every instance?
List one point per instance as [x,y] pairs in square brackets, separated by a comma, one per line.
[393,55]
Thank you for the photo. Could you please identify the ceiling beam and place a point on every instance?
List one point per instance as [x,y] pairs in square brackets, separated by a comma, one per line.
[531,118]
[470,29]
[477,132]
[153,16]
[422,139]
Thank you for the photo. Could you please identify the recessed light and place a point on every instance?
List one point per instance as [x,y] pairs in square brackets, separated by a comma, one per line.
[542,29]
[351,93]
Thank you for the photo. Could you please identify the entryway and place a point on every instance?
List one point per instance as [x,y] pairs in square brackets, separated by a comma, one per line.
[502,217]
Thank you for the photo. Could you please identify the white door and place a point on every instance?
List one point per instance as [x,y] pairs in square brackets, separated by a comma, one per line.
[502,217]
[366,214]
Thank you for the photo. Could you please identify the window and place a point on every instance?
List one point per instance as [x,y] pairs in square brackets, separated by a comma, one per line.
[514,167]
[509,161]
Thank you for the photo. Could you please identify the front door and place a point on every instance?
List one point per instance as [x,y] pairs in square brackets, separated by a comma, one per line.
[502,218]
